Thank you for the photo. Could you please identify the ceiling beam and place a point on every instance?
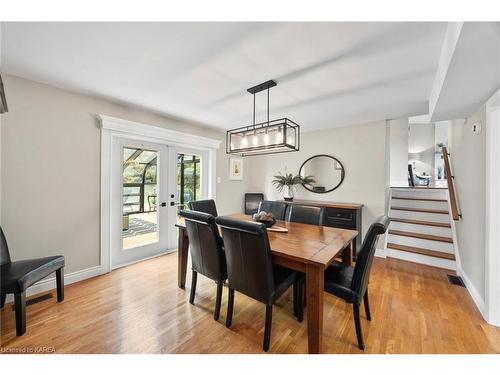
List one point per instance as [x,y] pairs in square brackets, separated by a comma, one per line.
[447,51]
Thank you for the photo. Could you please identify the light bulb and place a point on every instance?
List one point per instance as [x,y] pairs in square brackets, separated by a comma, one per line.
[255,140]
[244,141]
[266,139]
[279,137]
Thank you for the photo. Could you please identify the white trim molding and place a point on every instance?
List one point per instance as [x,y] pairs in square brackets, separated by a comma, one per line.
[492,224]
[156,133]
[114,128]
[475,295]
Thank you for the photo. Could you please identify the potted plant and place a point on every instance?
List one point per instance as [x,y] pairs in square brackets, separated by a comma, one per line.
[288,183]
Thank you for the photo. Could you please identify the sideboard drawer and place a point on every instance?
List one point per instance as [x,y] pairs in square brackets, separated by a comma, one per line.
[340,215]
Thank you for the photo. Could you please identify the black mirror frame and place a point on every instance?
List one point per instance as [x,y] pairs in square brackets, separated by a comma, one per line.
[341,177]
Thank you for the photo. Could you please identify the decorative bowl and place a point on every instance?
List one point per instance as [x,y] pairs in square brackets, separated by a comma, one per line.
[267,223]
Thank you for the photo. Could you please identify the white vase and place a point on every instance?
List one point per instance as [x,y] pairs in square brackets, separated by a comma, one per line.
[288,193]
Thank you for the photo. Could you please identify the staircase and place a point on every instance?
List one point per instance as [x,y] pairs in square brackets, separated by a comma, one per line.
[421,227]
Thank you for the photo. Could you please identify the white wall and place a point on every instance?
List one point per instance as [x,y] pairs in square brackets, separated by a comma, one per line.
[398,149]
[50,166]
[468,157]
[361,149]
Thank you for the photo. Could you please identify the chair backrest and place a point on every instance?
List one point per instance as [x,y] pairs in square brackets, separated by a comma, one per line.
[207,206]
[205,246]
[365,256]
[278,209]
[4,249]
[305,214]
[248,256]
[252,201]
[411,178]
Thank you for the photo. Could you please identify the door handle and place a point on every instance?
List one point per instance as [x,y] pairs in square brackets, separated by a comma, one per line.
[172,203]
[164,204]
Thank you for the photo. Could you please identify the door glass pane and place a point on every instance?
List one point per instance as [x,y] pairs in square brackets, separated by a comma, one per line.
[188,179]
[140,186]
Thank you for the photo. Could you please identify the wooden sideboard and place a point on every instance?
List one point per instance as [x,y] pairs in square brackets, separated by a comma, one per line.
[338,215]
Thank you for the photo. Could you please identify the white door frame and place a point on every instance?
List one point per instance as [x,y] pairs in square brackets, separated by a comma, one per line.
[112,128]
[492,243]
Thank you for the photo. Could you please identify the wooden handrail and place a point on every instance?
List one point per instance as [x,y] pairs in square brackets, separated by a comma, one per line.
[455,213]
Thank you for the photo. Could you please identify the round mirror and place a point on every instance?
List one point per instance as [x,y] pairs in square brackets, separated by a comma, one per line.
[327,172]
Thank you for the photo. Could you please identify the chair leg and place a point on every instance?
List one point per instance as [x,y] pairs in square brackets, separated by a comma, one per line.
[194,278]
[2,300]
[301,302]
[218,300]
[367,306]
[296,287]
[267,329]
[303,282]
[357,323]
[20,307]
[60,284]
[230,305]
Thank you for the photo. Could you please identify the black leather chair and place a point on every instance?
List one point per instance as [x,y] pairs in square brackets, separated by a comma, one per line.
[207,206]
[251,271]
[278,209]
[305,214]
[252,201]
[351,283]
[18,276]
[207,255]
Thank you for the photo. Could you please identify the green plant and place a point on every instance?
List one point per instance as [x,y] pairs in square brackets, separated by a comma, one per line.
[289,180]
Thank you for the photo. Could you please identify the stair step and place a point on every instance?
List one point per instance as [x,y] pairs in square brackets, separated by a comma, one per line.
[421,236]
[420,199]
[426,210]
[422,222]
[418,250]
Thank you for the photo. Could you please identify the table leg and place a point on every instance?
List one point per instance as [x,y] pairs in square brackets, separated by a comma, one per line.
[347,254]
[314,291]
[182,257]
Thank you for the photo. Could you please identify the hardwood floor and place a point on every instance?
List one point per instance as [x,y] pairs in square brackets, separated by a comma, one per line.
[140,309]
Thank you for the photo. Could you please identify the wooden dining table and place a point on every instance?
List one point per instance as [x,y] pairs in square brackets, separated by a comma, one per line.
[305,248]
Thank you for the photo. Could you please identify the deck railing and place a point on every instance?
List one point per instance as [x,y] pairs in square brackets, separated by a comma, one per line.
[455,210]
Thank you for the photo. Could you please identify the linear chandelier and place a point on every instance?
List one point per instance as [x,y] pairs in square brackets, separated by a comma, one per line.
[270,137]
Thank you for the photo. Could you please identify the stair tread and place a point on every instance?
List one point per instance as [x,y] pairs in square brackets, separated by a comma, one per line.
[426,210]
[421,222]
[420,199]
[421,251]
[422,236]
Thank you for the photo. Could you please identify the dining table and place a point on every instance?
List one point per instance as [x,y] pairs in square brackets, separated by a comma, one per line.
[302,247]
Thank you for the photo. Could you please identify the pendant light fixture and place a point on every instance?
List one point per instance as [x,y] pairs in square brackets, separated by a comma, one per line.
[269,137]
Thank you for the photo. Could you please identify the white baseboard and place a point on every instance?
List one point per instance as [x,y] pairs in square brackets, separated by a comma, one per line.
[476,297]
[381,253]
[70,278]
[167,251]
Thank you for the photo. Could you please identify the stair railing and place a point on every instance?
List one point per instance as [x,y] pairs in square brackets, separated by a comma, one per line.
[455,211]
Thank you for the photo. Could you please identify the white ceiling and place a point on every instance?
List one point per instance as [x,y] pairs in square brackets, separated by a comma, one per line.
[329,74]
[473,72]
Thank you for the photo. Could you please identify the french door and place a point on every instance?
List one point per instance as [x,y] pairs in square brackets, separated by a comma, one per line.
[140,184]
[151,183]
